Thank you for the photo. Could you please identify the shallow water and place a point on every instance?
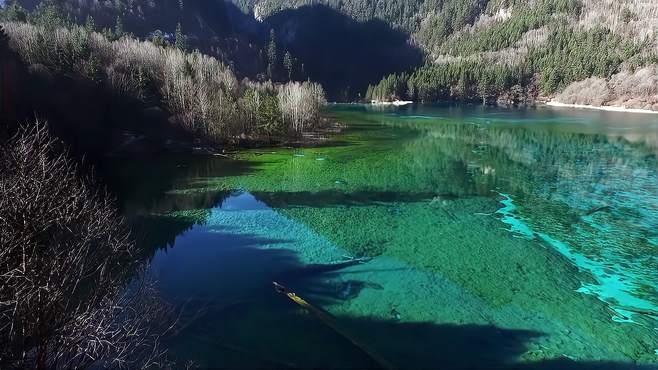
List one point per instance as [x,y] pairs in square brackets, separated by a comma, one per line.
[493,238]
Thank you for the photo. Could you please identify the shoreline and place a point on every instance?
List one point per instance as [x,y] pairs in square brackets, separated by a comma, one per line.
[397,103]
[608,108]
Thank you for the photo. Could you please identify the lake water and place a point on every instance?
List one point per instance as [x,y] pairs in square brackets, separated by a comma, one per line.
[450,237]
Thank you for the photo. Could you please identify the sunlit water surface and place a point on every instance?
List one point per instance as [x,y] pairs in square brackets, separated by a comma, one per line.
[492,238]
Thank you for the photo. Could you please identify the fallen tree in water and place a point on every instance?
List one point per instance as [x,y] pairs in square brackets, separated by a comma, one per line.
[332,323]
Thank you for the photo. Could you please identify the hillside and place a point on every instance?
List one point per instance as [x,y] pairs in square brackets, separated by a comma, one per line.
[494,51]
[513,51]
[215,27]
[109,85]
[518,52]
[320,43]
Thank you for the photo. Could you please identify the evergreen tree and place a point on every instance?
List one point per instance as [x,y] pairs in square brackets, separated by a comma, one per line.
[288,64]
[118,28]
[107,33]
[483,89]
[13,12]
[272,57]
[90,24]
[181,39]
[158,39]
[47,14]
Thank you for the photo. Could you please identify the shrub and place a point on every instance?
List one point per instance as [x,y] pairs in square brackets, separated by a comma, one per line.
[63,248]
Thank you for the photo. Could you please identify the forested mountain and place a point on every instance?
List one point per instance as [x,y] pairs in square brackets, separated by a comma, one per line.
[512,51]
[318,42]
[520,51]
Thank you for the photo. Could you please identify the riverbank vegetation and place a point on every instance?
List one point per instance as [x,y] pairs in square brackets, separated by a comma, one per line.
[64,299]
[201,94]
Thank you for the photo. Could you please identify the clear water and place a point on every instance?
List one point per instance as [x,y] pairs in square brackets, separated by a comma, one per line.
[506,239]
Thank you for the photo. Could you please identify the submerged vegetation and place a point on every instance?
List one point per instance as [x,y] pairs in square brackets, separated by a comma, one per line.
[418,190]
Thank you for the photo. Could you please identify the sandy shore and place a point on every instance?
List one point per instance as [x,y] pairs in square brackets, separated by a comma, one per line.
[553,103]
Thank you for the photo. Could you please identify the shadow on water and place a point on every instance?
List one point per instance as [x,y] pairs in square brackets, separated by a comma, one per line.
[142,187]
[141,184]
[231,318]
[335,198]
[343,54]
[221,264]
[240,322]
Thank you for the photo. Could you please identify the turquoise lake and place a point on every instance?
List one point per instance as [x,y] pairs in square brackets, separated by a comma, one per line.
[434,237]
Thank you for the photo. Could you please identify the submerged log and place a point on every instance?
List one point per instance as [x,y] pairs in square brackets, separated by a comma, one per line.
[598,209]
[332,323]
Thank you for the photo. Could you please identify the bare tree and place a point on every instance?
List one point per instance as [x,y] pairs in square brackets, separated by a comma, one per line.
[65,298]
[301,104]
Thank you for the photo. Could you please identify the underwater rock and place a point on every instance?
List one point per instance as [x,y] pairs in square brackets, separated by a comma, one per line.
[347,291]
[374,286]
[444,198]
[395,315]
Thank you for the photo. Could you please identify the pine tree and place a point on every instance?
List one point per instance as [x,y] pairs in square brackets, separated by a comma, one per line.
[47,15]
[13,12]
[181,39]
[369,93]
[158,39]
[483,88]
[288,64]
[90,24]
[272,57]
[118,28]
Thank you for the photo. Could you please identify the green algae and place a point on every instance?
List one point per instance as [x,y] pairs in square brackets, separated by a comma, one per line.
[422,195]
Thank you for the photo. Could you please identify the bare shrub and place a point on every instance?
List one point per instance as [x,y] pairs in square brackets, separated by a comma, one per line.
[300,104]
[65,301]
[592,91]
[637,89]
